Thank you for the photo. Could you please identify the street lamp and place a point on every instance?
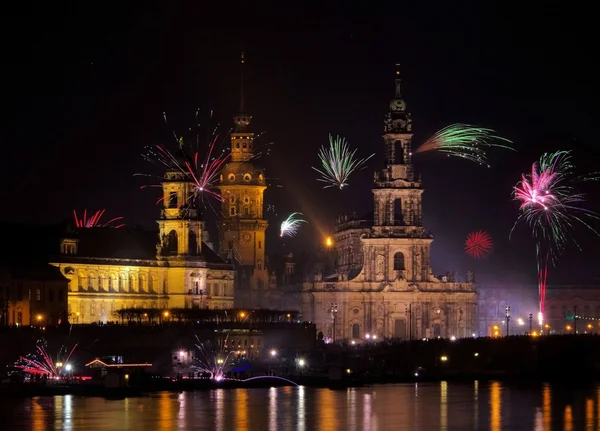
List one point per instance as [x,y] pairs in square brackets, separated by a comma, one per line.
[273,353]
[333,309]
[530,323]
[507,320]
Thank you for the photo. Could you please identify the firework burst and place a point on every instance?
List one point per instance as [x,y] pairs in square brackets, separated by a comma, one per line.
[216,364]
[40,362]
[95,220]
[201,169]
[551,206]
[338,162]
[465,141]
[291,225]
[479,244]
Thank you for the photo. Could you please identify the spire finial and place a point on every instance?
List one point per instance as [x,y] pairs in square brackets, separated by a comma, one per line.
[242,84]
[398,80]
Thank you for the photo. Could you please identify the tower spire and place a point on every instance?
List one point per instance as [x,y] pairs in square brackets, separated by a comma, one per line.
[242,84]
[242,120]
[398,82]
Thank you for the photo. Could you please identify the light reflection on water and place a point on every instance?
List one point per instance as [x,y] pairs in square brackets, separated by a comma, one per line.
[435,406]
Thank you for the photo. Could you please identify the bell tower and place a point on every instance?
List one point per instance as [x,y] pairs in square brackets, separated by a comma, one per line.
[397,196]
[242,227]
[396,193]
[180,226]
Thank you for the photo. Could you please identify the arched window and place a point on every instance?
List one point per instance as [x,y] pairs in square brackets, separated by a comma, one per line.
[111,282]
[90,281]
[164,286]
[131,282]
[150,283]
[100,283]
[356,331]
[141,283]
[121,283]
[399,261]
[172,244]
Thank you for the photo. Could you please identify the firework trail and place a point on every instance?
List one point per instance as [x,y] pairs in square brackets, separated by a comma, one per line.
[94,220]
[465,141]
[40,362]
[338,162]
[551,208]
[215,364]
[479,244]
[202,169]
[291,225]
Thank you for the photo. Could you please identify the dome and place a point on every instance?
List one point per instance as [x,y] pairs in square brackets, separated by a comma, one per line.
[242,173]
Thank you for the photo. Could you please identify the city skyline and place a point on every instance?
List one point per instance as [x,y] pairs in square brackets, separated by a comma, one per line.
[349,99]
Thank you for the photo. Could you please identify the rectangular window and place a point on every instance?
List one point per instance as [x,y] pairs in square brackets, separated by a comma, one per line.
[173,200]
[259,245]
[232,211]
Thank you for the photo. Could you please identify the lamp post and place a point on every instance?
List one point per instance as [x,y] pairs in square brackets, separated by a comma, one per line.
[507,320]
[201,292]
[333,309]
[530,323]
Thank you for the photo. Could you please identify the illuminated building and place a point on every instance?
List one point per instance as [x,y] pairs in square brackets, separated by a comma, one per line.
[32,294]
[384,284]
[242,226]
[111,269]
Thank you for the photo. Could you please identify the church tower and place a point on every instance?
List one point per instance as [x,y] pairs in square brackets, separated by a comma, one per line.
[180,226]
[398,197]
[242,227]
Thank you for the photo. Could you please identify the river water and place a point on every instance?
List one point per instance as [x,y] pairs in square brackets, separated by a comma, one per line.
[425,406]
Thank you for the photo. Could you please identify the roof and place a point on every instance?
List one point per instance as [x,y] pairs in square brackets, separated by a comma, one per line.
[34,271]
[240,169]
[210,256]
[123,243]
[99,363]
[35,242]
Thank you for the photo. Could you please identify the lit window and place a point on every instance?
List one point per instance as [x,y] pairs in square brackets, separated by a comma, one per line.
[247,177]
[232,211]
[231,177]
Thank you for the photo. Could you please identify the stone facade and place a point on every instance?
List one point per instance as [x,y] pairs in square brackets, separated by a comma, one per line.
[384,284]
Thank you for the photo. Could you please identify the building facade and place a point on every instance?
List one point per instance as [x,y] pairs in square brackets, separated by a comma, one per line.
[32,294]
[384,284]
[242,226]
[111,269]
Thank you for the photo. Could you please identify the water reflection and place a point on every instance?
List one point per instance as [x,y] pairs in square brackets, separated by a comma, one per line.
[589,414]
[444,406]
[495,406]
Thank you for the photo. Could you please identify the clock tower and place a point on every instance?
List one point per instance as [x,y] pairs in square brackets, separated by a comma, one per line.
[242,226]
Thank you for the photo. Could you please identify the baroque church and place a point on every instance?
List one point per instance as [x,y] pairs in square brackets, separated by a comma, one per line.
[383,284]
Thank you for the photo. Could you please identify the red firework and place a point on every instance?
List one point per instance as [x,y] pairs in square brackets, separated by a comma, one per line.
[479,244]
[94,220]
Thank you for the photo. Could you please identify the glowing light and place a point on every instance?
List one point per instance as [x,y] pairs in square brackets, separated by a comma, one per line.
[40,362]
[338,162]
[39,317]
[465,141]
[301,362]
[444,358]
[291,225]
[520,322]
[68,367]
[568,327]
[348,371]
[328,242]
[166,314]
[242,314]
[476,354]
[273,353]
[181,353]
[453,338]
[478,244]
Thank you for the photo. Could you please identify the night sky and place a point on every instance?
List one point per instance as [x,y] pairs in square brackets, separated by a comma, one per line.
[84,94]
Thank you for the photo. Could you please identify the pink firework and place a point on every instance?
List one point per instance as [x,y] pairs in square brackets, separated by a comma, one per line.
[41,363]
[479,244]
[204,176]
[95,220]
